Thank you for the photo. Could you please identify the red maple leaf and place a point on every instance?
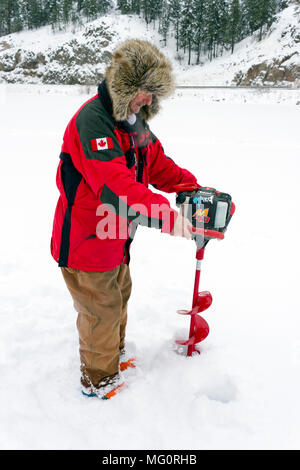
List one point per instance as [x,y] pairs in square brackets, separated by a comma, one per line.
[102,143]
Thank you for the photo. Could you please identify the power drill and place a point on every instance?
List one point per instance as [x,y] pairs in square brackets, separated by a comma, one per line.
[205,208]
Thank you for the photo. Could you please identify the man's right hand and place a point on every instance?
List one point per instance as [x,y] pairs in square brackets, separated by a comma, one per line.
[182,228]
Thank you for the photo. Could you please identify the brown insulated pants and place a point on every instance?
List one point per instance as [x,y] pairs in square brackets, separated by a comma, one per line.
[100,299]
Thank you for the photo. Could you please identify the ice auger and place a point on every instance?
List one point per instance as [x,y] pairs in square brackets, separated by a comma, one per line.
[210,212]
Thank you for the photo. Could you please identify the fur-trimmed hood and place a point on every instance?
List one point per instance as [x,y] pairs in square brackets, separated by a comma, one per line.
[138,66]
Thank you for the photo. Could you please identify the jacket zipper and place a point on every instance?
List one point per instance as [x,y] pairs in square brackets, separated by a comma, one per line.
[133,228]
[133,146]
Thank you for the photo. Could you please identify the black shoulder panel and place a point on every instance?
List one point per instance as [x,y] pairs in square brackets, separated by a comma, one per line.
[96,132]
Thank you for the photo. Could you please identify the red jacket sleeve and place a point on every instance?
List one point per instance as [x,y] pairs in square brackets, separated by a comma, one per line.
[109,178]
[164,174]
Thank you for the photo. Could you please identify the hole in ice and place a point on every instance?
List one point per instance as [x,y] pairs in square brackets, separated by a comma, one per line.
[220,389]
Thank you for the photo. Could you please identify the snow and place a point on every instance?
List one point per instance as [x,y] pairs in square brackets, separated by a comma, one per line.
[235,95]
[45,41]
[278,44]
[243,390]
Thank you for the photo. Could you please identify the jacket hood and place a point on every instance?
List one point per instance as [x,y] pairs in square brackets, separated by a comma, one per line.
[138,66]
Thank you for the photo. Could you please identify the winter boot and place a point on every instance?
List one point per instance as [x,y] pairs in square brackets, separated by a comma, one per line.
[107,391]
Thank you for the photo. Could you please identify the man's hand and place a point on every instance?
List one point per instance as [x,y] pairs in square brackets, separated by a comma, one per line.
[182,228]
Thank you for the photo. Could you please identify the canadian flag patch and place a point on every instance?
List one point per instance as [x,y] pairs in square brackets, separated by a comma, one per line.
[103,143]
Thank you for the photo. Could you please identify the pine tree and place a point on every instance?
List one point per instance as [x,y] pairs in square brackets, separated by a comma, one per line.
[164,23]
[67,10]
[90,9]
[250,12]
[9,17]
[136,6]
[234,26]
[5,18]
[175,8]
[199,17]
[146,9]
[2,19]
[34,14]
[187,27]
[155,8]
[104,6]
[55,13]
[259,13]
[80,4]
[267,14]
[212,27]
[124,6]
[221,38]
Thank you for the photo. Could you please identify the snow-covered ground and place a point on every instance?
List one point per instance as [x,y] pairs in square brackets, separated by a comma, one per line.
[243,390]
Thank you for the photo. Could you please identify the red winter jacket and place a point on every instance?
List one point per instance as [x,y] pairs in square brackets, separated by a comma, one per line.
[105,168]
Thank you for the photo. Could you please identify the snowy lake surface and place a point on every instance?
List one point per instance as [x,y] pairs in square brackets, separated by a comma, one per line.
[243,390]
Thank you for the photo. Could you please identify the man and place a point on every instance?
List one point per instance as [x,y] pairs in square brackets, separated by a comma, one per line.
[108,158]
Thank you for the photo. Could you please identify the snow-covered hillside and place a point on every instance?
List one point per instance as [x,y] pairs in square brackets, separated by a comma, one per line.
[80,56]
[273,61]
[69,57]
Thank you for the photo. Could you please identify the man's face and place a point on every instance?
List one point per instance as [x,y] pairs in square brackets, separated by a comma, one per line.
[140,100]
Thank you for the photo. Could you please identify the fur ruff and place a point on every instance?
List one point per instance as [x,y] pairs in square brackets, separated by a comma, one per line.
[138,66]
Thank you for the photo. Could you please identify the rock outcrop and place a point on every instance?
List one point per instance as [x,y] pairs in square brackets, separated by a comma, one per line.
[80,60]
